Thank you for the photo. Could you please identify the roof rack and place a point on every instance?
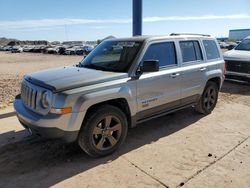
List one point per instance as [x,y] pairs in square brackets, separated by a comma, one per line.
[178,34]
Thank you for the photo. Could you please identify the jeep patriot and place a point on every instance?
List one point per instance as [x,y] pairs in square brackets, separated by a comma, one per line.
[121,83]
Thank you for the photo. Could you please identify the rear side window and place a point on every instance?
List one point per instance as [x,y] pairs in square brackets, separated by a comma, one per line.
[191,51]
[163,52]
[211,49]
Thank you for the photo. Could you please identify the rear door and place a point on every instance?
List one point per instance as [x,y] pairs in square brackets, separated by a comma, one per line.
[193,70]
[159,91]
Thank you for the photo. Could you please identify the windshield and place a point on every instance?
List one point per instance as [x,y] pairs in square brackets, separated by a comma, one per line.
[244,45]
[115,56]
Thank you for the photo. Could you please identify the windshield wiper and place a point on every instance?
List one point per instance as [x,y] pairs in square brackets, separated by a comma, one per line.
[91,66]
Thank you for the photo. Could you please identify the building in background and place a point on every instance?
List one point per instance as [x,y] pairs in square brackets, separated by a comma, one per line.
[238,34]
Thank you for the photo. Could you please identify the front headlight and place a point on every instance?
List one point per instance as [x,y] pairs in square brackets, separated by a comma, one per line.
[45,100]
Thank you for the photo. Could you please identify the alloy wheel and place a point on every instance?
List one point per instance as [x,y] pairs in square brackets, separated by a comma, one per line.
[107,132]
[209,98]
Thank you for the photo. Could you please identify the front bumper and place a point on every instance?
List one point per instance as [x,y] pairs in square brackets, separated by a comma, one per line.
[65,127]
[238,76]
[50,133]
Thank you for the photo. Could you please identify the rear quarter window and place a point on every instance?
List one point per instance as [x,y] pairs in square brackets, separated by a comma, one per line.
[211,49]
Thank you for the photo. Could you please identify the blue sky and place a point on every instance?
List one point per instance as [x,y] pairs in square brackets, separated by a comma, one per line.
[95,19]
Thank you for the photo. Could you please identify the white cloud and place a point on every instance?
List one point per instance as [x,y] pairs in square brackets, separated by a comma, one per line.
[191,18]
[48,23]
[25,24]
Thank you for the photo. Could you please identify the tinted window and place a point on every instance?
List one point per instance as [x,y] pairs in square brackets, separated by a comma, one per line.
[211,49]
[163,52]
[191,51]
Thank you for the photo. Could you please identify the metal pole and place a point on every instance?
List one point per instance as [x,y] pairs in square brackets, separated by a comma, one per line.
[137,17]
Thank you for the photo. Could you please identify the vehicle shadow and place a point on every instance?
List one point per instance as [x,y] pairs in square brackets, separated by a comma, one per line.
[13,136]
[234,87]
[51,162]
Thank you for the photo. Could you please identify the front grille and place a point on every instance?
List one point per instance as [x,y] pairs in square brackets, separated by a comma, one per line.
[238,66]
[28,96]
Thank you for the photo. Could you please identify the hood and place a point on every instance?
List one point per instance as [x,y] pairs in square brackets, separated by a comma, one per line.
[237,55]
[64,78]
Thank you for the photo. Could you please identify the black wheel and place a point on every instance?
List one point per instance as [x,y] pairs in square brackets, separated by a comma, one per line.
[208,99]
[103,131]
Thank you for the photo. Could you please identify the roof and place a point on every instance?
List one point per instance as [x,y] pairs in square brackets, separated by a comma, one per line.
[154,37]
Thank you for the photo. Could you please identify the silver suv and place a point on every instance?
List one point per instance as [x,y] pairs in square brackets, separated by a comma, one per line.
[121,83]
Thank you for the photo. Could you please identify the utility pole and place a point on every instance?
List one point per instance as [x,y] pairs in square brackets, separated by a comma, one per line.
[137,17]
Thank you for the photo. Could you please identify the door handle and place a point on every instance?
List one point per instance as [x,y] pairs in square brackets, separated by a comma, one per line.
[174,75]
[203,69]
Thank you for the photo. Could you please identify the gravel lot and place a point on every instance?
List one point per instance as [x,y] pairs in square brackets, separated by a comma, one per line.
[15,66]
[179,149]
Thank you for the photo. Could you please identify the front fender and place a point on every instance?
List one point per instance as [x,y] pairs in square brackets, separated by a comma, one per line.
[85,101]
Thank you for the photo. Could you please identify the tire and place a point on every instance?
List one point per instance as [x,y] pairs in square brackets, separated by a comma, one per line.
[103,131]
[209,98]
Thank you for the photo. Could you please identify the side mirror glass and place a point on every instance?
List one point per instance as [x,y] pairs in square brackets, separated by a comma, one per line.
[150,66]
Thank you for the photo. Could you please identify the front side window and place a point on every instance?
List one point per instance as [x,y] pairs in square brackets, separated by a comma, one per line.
[191,51]
[244,45]
[115,56]
[163,52]
[211,49]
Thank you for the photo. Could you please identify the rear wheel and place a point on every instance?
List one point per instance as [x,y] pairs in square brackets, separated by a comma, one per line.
[208,99]
[103,131]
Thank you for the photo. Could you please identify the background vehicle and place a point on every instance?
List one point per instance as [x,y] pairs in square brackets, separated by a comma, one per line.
[60,50]
[7,48]
[28,48]
[121,83]
[238,61]
[223,45]
[17,49]
[71,50]
[38,49]
[85,50]
[51,50]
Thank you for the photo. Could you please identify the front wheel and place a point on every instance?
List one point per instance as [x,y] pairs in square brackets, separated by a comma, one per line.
[209,98]
[103,131]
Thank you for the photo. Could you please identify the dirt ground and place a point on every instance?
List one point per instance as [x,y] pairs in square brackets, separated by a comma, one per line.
[14,66]
[181,149]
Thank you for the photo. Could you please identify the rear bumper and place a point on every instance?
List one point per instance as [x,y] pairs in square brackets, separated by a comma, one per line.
[65,127]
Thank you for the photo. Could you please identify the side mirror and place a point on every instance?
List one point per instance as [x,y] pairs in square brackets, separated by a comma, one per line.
[150,66]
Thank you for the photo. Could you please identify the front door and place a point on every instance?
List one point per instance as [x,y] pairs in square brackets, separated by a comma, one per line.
[158,92]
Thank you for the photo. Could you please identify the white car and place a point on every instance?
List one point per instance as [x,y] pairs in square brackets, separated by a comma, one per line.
[238,61]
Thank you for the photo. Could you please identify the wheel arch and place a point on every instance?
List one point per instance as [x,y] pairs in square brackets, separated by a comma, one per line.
[120,103]
[216,80]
